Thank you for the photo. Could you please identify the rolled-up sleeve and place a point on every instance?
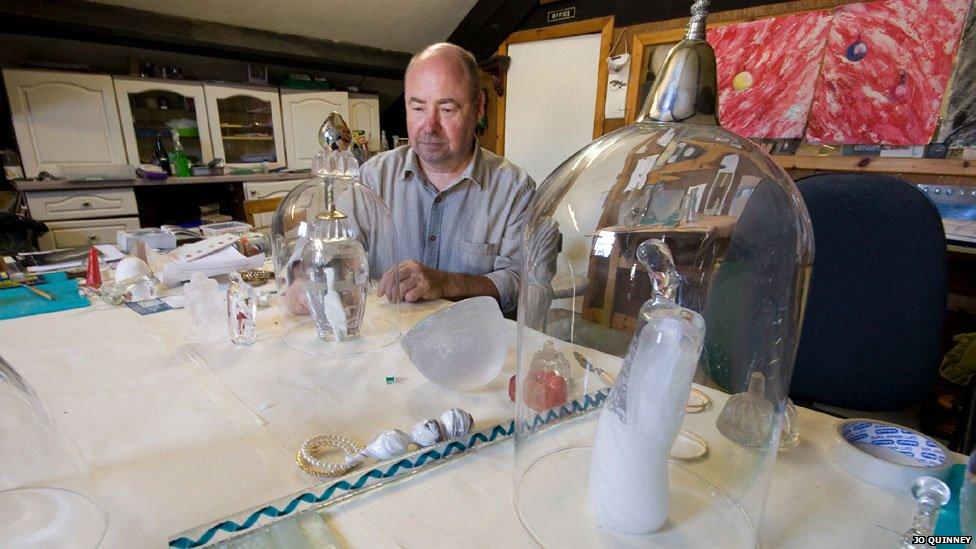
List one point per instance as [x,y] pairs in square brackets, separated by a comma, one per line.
[508,263]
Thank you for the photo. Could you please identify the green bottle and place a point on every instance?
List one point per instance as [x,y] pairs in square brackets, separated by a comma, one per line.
[178,159]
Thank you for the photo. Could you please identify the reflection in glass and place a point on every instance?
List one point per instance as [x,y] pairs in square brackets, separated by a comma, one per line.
[164,111]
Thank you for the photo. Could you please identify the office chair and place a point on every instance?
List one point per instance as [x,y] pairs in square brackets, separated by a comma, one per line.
[872,331]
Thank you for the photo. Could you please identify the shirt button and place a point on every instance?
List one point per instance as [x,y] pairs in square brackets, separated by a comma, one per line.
[432,237]
[437,200]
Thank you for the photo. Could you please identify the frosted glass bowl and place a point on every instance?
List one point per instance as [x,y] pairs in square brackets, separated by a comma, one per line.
[461,347]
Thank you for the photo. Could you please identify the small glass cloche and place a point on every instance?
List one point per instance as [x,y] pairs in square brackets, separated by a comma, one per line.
[333,238]
[690,251]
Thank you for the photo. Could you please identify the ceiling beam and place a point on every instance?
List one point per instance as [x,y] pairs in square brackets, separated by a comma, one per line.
[489,23]
[101,23]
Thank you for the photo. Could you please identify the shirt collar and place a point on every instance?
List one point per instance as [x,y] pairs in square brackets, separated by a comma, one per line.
[474,171]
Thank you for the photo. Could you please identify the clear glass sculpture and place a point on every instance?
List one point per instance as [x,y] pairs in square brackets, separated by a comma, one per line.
[740,238]
[333,239]
[47,498]
[930,494]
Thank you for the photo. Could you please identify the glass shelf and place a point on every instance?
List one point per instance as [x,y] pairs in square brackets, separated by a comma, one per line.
[244,126]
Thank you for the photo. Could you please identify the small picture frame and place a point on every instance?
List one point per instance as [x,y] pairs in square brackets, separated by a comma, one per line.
[257,74]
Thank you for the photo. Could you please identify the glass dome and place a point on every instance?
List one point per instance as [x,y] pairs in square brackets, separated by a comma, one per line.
[47,497]
[333,239]
[667,252]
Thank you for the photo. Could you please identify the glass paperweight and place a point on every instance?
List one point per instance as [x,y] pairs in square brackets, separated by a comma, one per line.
[47,498]
[738,234]
[930,494]
[333,240]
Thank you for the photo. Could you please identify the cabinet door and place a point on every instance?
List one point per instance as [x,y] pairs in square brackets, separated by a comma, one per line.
[149,106]
[85,232]
[64,118]
[245,124]
[304,112]
[364,114]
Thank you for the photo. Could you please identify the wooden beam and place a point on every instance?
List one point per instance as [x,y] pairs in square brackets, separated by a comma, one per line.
[488,24]
[869,164]
[91,22]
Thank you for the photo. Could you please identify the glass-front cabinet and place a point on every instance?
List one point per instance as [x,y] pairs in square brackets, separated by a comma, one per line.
[149,107]
[245,124]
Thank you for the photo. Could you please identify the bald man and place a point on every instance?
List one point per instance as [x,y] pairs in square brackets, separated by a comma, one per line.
[458,208]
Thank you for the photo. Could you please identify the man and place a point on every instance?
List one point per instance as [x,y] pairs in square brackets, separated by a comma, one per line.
[458,208]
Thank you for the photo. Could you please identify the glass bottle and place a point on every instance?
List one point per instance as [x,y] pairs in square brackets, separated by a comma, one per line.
[930,495]
[335,273]
[242,308]
[178,160]
[160,155]
[629,488]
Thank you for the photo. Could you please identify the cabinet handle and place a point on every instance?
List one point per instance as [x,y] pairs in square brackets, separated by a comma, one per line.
[92,236]
[253,192]
[86,203]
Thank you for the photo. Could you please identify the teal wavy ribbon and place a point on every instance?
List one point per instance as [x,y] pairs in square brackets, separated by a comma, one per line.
[589,401]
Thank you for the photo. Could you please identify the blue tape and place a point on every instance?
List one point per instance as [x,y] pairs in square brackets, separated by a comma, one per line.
[904,441]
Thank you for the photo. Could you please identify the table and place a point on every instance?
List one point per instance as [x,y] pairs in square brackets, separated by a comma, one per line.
[179,435]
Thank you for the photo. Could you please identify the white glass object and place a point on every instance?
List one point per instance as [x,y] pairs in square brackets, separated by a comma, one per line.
[47,498]
[137,288]
[740,237]
[930,495]
[242,309]
[629,490]
[333,240]
[461,347]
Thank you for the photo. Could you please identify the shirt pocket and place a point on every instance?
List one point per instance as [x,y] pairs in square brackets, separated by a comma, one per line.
[475,258]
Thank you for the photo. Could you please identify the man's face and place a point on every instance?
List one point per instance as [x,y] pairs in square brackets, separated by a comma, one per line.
[441,114]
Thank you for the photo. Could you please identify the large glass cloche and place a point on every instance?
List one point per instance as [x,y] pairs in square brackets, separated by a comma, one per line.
[671,258]
[333,239]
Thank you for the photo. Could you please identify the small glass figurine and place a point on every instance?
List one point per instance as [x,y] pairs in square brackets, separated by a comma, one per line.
[930,495]
[748,417]
[242,306]
[336,274]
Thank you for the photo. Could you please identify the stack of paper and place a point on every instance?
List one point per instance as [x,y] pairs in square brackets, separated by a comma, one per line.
[59,260]
[171,271]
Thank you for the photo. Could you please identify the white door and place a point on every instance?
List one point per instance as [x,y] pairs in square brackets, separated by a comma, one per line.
[304,112]
[550,101]
[245,124]
[147,106]
[64,118]
[364,114]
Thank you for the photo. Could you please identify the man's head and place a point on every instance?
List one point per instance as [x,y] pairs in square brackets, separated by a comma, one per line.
[444,104]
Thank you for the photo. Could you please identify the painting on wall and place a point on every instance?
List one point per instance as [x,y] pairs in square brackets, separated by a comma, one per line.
[767,70]
[959,124]
[884,72]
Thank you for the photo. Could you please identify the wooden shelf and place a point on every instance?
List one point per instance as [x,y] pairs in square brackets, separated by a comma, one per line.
[247,137]
[869,164]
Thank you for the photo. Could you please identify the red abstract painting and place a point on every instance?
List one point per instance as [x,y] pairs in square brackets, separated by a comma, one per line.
[766,73]
[884,72]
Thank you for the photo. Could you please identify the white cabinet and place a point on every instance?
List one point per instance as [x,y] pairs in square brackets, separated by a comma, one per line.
[303,113]
[68,215]
[147,106]
[245,124]
[64,118]
[364,114]
[84,232]
[55,205]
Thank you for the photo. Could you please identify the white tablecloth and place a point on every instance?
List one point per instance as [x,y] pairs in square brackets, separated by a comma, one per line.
[179,435]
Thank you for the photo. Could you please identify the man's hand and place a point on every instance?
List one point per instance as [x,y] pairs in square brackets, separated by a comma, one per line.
[412,281]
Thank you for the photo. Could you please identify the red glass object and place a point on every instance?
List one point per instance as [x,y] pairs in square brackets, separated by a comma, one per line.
[544,390]
[93,276]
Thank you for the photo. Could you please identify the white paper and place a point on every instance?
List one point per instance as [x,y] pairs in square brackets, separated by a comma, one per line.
[109,254]
[171,271]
